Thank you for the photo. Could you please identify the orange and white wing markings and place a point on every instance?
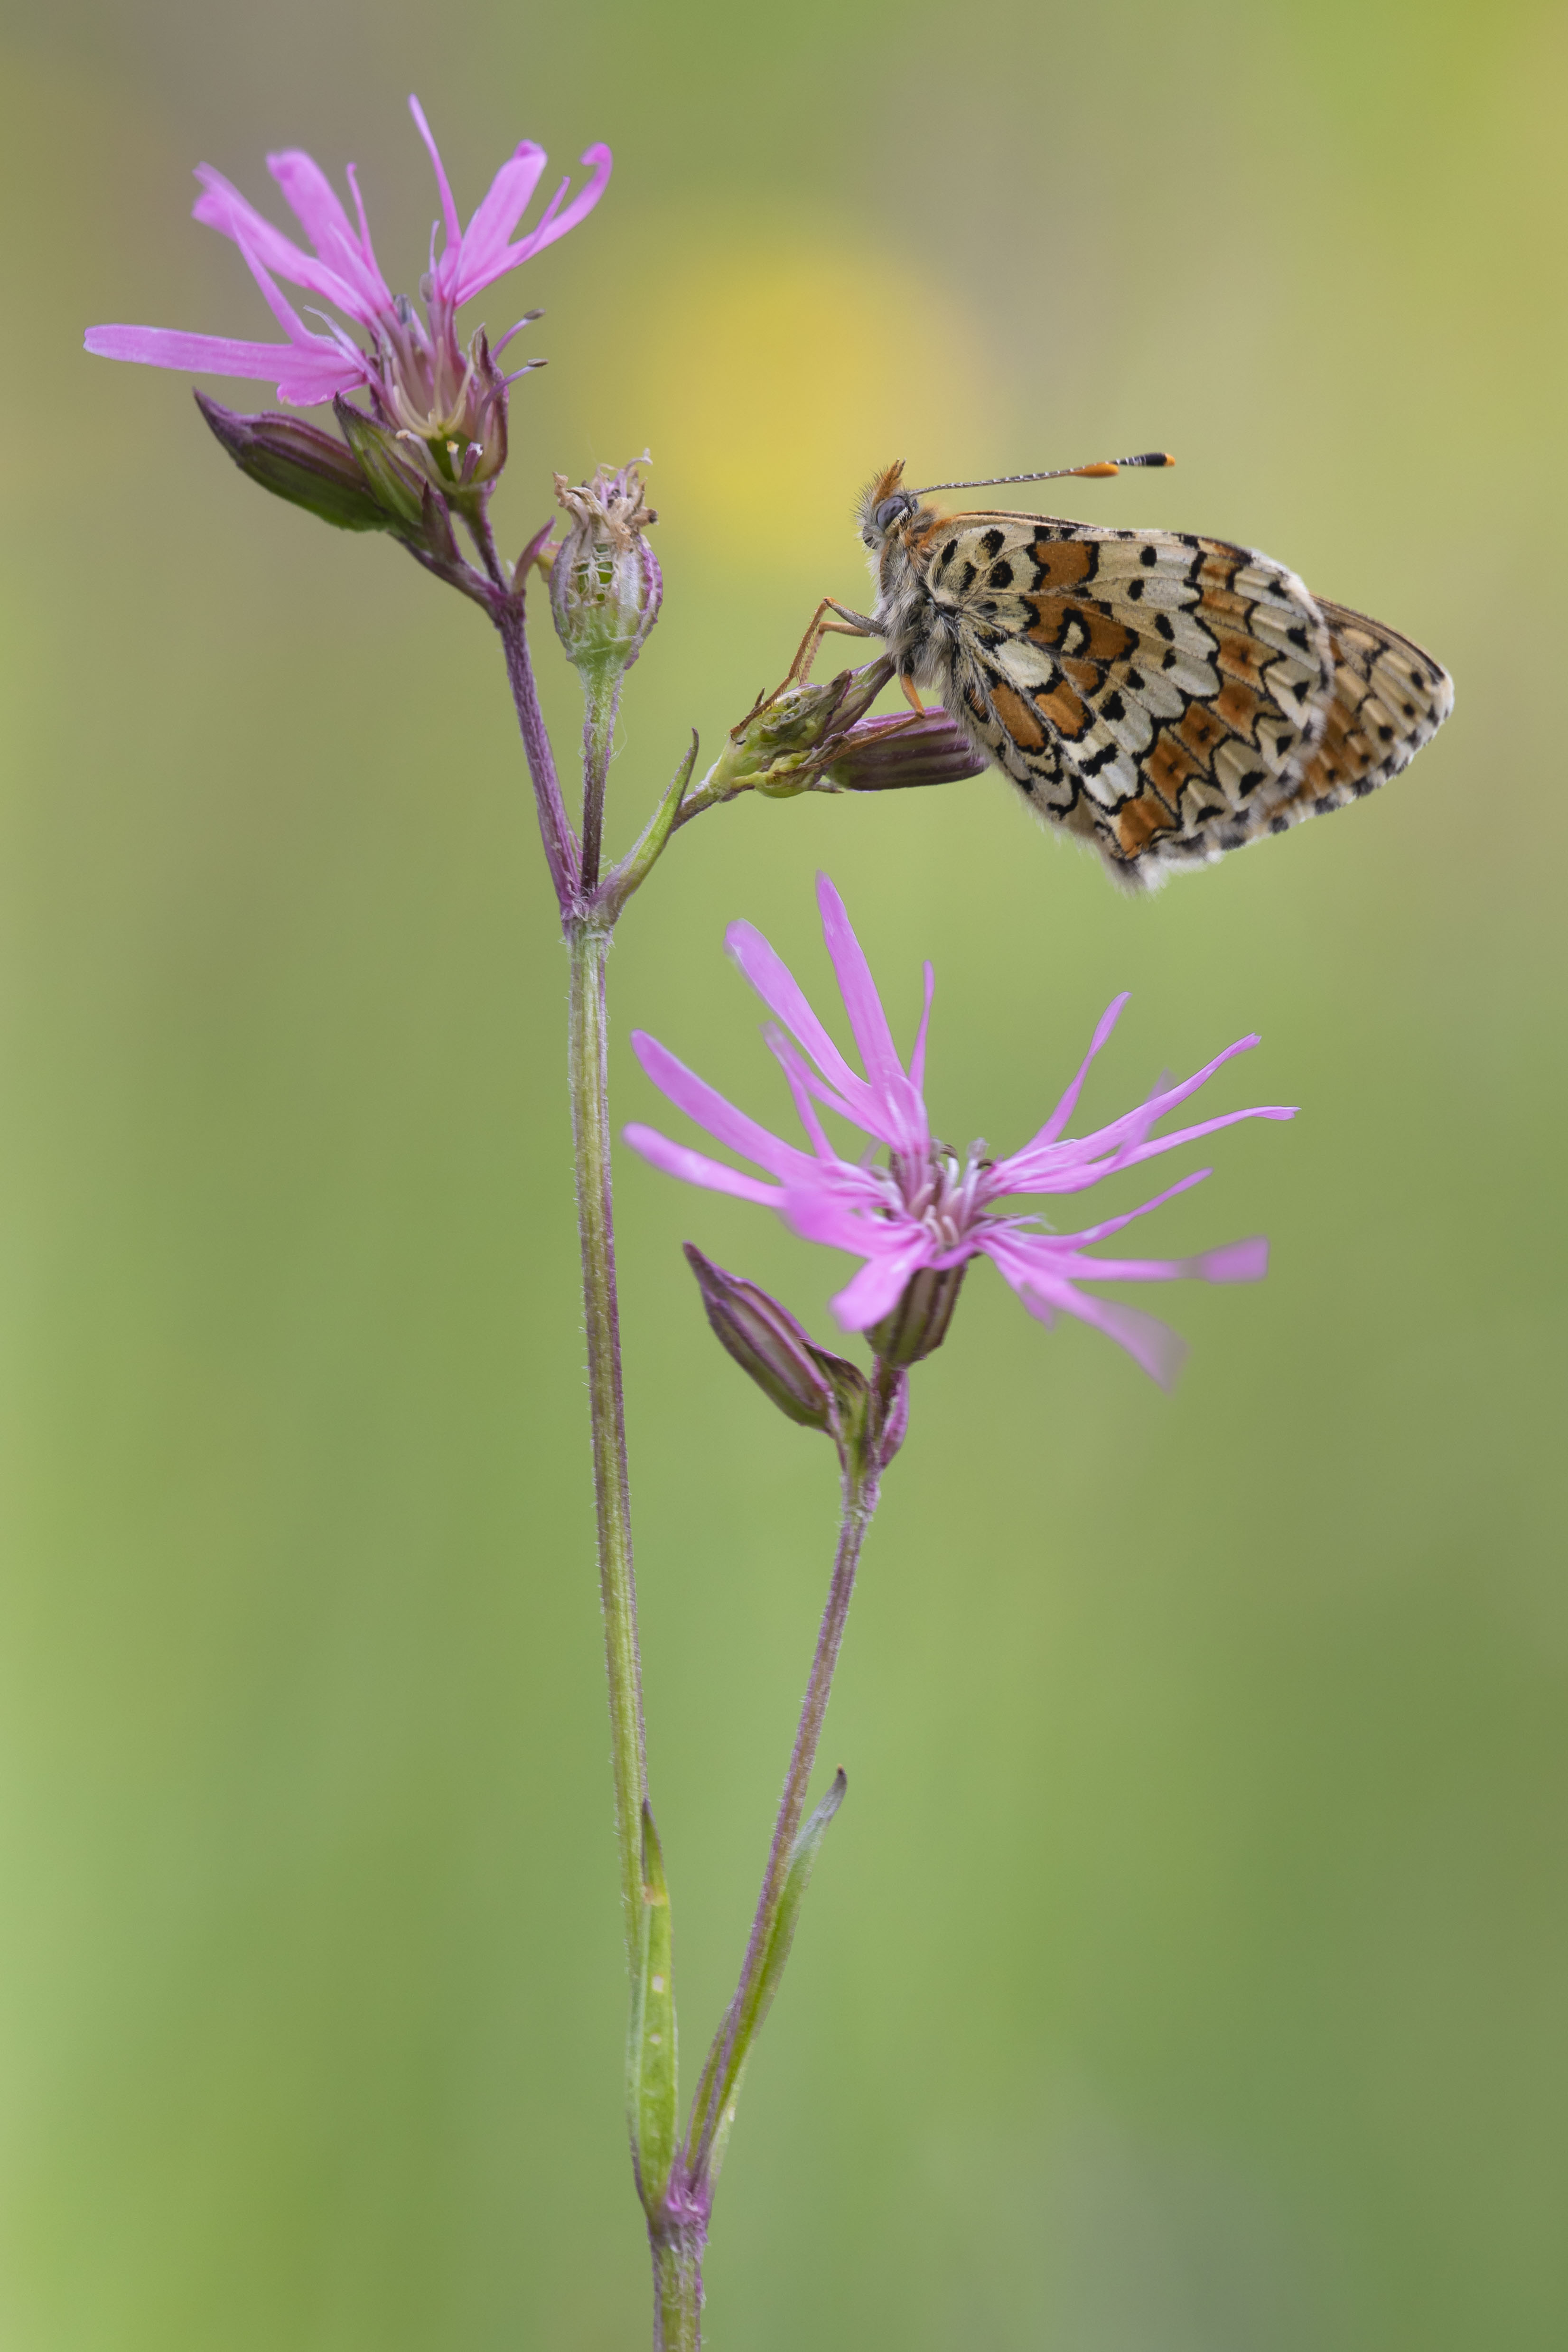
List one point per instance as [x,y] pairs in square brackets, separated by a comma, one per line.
[1167,695]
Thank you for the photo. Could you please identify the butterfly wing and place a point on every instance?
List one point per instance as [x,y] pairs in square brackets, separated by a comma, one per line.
[1389,698]
[1169,696]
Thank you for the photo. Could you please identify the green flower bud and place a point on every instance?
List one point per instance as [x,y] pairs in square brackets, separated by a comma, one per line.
[918,1324]
[787,741]
[395,479]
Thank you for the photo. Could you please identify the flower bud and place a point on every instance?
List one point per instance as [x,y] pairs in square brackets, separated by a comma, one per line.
[816,1388]
[605,580]
[889,755]
[784,743]
[918,1324]
[298,462]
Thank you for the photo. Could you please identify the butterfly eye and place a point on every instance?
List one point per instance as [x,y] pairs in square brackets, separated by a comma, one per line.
[888,513]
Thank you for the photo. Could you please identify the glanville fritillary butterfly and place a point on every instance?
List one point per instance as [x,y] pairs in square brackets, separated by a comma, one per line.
[1164,697]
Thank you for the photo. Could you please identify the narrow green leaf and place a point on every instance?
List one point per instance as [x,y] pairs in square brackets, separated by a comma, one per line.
[802,1860]
[651,2046]
[644,856]
[717,2092]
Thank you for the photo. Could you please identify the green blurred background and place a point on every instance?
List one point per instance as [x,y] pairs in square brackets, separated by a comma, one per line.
[1186,1971]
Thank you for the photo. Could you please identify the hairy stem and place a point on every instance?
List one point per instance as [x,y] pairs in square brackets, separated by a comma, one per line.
[602,696]
[590,946]
[678,2295]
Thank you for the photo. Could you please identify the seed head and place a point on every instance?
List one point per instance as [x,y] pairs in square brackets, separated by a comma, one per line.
[605,582]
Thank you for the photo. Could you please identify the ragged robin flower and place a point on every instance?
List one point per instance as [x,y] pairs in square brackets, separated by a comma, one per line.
[442,401]
[917,1216]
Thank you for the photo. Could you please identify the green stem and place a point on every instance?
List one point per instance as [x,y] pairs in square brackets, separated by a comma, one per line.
[589,946]
[601,698]
[677,2294]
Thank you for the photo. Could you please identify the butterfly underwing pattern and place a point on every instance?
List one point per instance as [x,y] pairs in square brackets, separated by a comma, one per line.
[1162,696]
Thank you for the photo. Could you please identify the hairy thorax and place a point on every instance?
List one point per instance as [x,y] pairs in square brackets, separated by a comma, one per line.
[919,628]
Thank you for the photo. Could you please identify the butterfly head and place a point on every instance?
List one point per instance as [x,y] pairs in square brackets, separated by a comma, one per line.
[885,506]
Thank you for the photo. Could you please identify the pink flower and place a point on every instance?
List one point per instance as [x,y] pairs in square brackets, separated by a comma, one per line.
[414,367]
[925,1209]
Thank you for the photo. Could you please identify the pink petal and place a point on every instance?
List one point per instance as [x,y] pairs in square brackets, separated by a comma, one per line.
[555,225]
[506,201]
[1137,1123]
[899,1101]
[858,989]
[822,1212]
[311,375]
[1152,1345]
[1149,1343]
[272,294]
[1075,1266]
[1064,1110]
[366,248]
[877,1289]
[783,996]
[917,1058]
[221,206]
[453,224]
[311,197]
[1115,1224]
[1041,1155]
[1152,1149]
[696,1168]
[701,1102]
[1073,1169]
[1236,1262]
[799,1081]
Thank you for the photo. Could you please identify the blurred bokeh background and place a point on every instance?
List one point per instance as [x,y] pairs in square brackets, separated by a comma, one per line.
[1185,1972]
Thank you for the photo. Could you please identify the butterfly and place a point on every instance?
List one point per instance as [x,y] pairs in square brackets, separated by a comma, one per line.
[1164,697]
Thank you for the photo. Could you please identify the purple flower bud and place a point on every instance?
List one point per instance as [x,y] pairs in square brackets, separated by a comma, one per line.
[606,585]
[819,1390]
[918,1324]
[298,462]
[887,755]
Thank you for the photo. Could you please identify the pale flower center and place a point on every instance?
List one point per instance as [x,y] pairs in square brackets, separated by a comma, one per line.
[937,1193]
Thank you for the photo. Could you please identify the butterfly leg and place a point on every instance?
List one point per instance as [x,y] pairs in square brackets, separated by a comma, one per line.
[847,624]
[911,695]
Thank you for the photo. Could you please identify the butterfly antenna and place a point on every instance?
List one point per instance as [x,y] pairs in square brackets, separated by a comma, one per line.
[1056,473]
